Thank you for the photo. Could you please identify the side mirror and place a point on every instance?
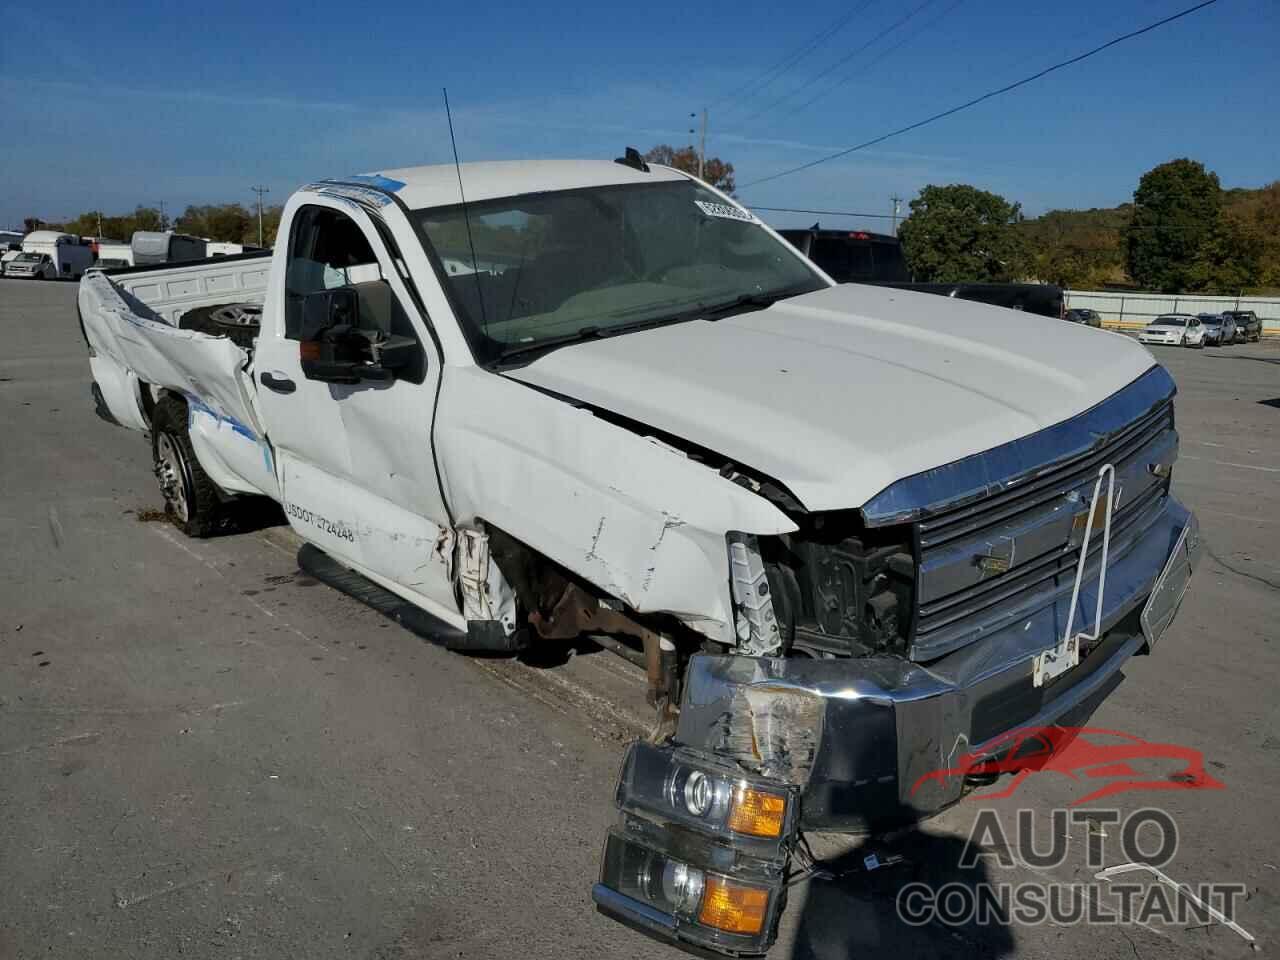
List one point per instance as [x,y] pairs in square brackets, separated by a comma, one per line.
[342,341]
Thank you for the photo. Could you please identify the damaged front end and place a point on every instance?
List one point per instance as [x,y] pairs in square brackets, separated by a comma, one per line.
[878,648]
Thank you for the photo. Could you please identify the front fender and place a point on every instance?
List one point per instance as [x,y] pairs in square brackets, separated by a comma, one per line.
[635,518]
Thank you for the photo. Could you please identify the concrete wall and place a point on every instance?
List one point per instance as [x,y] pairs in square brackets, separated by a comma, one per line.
[1131,311]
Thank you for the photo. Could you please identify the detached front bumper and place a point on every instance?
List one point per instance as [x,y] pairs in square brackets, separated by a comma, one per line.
[863,741]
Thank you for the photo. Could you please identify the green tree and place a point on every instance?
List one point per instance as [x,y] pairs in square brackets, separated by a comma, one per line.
[1229,259]
[270,225]
[1257,214]
[715,171]
[1175,208]
[229,222]
[959,233]
[1076,248]
[120,227]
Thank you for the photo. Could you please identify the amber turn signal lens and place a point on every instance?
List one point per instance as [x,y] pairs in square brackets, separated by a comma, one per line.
[757,813]
[733,908]
[308,350]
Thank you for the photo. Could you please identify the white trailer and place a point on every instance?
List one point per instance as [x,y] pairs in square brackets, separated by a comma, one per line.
[218,248]
[113,254]
[155,246]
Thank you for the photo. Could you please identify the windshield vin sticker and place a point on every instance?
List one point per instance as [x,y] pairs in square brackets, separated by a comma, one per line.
[725,211]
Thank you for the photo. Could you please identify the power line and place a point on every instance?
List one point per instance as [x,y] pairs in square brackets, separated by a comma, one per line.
[842,61]
[765,79]
[1120,227]
[986,96]
[871,63]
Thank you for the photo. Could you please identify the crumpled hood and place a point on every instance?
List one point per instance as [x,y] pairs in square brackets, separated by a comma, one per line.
[838,393]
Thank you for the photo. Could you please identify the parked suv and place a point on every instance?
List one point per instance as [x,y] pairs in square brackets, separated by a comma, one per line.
[1248,326]
[856,256]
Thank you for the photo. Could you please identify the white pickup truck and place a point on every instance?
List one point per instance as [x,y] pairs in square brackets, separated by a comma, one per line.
[857,535]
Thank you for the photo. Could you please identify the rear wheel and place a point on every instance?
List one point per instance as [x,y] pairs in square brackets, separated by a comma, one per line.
[190,497]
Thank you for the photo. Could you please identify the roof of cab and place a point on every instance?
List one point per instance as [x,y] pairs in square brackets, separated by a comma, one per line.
[437,185]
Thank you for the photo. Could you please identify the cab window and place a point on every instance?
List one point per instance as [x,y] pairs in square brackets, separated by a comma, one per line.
[327,249]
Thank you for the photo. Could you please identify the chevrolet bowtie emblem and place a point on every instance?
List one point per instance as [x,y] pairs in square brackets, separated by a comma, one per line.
[998,557]
[1098,509]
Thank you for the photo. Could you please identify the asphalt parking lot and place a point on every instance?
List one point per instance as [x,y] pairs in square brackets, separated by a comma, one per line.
[205,753]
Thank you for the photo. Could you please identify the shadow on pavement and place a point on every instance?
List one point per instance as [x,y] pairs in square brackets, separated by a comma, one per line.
[1224,356]
[856,912]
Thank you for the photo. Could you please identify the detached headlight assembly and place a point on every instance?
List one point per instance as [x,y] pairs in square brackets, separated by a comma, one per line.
[677,899]
[673,785]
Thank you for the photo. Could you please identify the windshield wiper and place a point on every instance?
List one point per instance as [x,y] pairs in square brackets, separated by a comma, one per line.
[590,332]
[747,302]
[741,304]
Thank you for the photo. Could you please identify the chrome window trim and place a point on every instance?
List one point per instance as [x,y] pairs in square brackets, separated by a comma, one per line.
[1003,468]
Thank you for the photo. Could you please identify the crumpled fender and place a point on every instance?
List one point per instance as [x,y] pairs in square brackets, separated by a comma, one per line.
[628,514]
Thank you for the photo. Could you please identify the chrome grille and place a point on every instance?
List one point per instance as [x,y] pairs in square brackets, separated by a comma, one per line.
[991,560]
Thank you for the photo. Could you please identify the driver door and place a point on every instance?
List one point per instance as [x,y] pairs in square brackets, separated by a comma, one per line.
[354,459]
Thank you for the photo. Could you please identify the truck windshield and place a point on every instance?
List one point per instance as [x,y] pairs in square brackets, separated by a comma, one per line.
[556,267]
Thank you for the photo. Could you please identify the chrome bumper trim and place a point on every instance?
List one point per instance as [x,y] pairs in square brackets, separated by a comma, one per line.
[885,723]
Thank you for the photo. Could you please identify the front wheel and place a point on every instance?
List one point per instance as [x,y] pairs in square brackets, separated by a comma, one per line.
[190,497]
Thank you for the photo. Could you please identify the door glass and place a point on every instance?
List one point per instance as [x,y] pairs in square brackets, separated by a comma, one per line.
[327,249]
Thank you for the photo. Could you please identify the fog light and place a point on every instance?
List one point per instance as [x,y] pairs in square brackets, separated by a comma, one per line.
[758,813]
[733,907]
[669,896]
[682,886]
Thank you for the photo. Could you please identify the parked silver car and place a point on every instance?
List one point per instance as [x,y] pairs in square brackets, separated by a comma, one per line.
[1219,328]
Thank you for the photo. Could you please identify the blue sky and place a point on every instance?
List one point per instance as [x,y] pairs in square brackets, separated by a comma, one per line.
[116,104]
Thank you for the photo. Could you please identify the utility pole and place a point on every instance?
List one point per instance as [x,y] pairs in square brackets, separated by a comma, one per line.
[702,144]
[259,191]
[164,220]
[702,147]
[897,206]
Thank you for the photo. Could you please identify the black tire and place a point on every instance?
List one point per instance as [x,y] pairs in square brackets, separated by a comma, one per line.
[190,497]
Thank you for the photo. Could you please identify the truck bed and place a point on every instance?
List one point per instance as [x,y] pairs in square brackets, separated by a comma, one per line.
[136,349]
[170,290]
